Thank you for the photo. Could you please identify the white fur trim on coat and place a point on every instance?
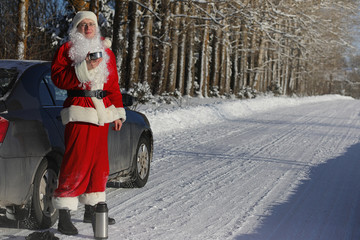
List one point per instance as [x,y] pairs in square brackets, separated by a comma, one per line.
[101,111]
[98,116]
[104,114]
[92,198]
[68,203]
[121,114]
[82,72]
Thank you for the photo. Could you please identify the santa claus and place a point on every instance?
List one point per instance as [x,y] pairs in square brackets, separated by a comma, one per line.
[86,68]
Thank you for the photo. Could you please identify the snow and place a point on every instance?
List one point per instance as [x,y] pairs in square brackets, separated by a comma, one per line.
[195,112]
[268,168]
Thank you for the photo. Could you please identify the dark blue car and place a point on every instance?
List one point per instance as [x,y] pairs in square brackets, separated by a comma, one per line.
[32,143]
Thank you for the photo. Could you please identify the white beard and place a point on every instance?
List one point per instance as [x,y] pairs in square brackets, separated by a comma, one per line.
[80,47]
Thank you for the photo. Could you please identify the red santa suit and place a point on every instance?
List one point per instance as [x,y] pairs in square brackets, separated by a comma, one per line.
[85,167]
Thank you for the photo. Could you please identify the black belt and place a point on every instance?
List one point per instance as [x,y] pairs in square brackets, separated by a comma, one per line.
[87,93]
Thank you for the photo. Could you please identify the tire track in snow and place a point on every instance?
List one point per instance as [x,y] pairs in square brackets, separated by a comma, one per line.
[249,172]
[314,146]
[328,143]
[250,159]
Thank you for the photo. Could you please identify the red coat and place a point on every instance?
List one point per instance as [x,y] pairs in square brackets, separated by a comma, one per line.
[68,76]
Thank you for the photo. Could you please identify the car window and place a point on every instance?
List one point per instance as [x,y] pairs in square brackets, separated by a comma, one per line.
[57,95]
[45,97]
[8,77]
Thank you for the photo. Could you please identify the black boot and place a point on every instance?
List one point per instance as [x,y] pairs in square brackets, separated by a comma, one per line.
[89,213]
[65,225]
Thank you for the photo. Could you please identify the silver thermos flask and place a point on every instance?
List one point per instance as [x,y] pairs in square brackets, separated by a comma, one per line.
[100,221]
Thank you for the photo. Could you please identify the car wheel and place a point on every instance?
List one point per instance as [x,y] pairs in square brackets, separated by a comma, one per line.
[43,214]
[142,163]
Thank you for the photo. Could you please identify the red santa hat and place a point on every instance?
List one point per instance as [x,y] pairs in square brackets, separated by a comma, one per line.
[81,15]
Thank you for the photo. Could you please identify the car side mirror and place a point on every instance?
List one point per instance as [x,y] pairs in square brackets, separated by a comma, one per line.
[127,100]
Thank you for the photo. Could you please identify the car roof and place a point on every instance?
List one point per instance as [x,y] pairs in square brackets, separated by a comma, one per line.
[20,65]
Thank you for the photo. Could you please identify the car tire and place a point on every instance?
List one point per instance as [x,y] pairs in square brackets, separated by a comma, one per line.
[142,163]
[43,215]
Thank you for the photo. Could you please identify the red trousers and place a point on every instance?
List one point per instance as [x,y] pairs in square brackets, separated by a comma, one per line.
[85,166]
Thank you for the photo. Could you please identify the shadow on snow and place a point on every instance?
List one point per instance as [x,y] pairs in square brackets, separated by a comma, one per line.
[324,207]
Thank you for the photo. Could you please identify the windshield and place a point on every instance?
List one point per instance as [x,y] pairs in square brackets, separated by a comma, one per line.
[8,77]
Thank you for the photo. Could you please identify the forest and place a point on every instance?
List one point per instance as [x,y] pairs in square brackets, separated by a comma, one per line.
[204,48]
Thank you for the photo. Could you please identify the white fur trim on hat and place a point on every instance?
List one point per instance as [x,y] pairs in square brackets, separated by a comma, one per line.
[107,42]
[81,15]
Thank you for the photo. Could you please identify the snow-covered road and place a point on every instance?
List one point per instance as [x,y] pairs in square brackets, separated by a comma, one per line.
[291,172]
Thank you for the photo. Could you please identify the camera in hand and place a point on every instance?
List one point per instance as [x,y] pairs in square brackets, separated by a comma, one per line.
[95,55]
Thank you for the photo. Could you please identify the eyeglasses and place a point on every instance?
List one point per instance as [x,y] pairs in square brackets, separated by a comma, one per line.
[83,25]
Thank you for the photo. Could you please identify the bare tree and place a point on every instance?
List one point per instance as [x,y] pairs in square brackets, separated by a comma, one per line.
[184,25]
[209,47]
[132,60]
[79,5]
[174,41]
[22,29]
[215,63]
[190,58]
[94,6]
[164,48]
[204,57]
[148,46]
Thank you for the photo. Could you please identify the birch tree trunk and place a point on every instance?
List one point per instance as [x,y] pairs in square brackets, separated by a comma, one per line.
[291,76]
[228,64]
[260,69]
[22,29]
[215,62]
[132,60]
[235,60]
[173,64]
[190,62]
[297,86]
[267,68]
[182,51]
[244,56]
[119,42]
[292,68]
[254,49]
[164,48]
[225,64]
[276,58]
[204,70]
[281,55]
[148,25]
[286,68]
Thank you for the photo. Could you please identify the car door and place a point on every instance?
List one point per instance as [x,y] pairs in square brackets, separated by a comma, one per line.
[52,99]
[119,145]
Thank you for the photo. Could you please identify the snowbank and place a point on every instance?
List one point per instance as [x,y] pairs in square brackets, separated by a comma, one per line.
[193,112]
